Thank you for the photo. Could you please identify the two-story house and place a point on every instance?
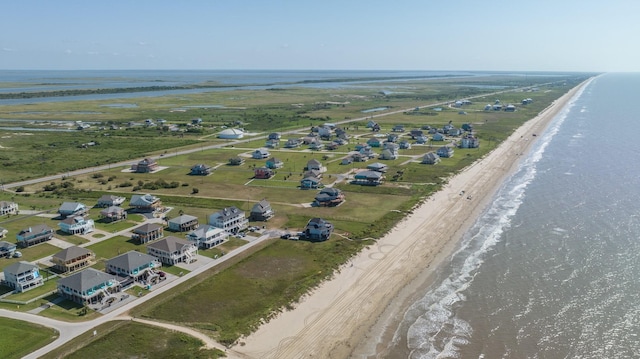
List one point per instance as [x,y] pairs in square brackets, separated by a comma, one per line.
[34,235]
[72,258]
[208,236]
[89,286]
[183,223]
[77,225]
[72,209]
[8,208]
[22,276]
[231,219]
[172,250]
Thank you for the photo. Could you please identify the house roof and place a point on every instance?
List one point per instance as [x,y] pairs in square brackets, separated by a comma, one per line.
[20,267]
[143,200]
[202,231]
[147,228]
[86,279]
[368,175]
[314,163]
[261,206]
[229,212]
[185,218]
[73,220]
[6,245]
[38,228]
[112,209]
[170,244]
[377,166]
[71,253]
[131,260]
[274,160]
[70,206]
[109,198]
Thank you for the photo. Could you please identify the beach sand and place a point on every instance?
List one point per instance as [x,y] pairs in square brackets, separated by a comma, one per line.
[355,314]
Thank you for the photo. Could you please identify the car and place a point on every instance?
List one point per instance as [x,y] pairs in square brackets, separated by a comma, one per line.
[17,254]
[285,236]
[162,274]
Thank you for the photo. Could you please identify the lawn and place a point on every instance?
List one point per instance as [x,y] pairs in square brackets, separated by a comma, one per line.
[115,246]
[49,286]
[125,339]
[14,332]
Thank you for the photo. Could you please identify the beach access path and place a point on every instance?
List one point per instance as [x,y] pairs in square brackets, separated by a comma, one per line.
[336,319]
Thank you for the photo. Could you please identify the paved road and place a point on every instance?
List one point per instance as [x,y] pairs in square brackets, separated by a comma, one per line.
[69,331]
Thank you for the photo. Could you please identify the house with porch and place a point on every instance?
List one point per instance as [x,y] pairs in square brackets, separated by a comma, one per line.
[293,143]
[261,211]
[72,258]
[236,161]
[469,141]
[183,223]
[147,165]
[260,153]
[378,167]
[208,236]
[317,229]
[314,164]
[72,209]
[7,207]
[329,197]
[147,232]
[263,173]
[145,203]
[173,250]
[200,170]
[133,265]
[22,276]
[368,178]
[231,219]
[109,200]
[34,235]
[89,286]
[7,249]
[430,158]
[374,142]
[310,182]
[77,225]
[274,163]
[113,214]
[445,152]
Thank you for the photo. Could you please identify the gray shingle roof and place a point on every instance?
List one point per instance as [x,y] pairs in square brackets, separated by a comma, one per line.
[86,279]
[131,260]
[19,267]
[71,252]
[147,228]
[170,244]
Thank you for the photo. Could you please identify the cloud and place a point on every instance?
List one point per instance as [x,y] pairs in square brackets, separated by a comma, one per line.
[93,53]
[142,43]
[68,51]
[7,49]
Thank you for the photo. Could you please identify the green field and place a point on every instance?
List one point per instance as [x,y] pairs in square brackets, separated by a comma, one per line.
[21,338]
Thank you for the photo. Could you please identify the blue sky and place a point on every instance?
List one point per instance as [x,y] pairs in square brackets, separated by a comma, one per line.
[542,35]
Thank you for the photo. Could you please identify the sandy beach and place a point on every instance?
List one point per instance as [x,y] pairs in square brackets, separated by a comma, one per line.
[354,312]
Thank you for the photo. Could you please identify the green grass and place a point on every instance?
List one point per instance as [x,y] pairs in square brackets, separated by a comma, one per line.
[240,297]
[21,338]
[125,339]
[115,246]
[48,287]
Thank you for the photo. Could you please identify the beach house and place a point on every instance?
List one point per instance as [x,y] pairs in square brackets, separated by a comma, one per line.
[173,250]
[34,235]
[109,200]
[260,153]
[183,223]
[146,165]
[430,158]
[7,207]
[231,219]
[7,249]
[89,286]
[133,266]
[72,209]
[147,232]
[317,229]
[208,236]
[72,258]
[77,225]
[445,152]
[261,211]
[145,203]
[113,213]
[329,197]
[22,276]
[200,170]
[368,178]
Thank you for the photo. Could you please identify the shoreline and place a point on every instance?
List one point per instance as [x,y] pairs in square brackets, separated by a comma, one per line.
[357,312]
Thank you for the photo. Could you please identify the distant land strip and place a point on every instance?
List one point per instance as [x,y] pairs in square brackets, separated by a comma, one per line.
[102,91]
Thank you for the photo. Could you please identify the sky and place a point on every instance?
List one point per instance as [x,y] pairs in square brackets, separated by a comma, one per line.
[491,35]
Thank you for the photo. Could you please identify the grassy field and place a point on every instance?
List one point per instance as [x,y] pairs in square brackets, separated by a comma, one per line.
[252,290]
[124,339]
[21,338]
[241,296]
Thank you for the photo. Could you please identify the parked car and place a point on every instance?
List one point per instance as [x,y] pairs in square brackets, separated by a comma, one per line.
[285,236]
[17,254]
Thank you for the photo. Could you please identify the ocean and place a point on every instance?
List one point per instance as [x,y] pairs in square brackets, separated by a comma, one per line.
[552,267]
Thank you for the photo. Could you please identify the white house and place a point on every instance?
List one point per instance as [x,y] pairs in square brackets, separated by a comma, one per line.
[8,208]
[208,236]
[22,276]
[231,219]
[173,250]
